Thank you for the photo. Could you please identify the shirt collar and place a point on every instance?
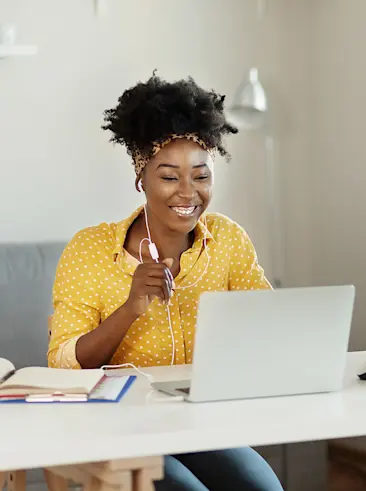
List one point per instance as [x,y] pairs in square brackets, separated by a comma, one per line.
[122,228]
[201,231]
[121,231]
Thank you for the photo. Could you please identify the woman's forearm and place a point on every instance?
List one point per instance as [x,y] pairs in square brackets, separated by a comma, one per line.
[98,346]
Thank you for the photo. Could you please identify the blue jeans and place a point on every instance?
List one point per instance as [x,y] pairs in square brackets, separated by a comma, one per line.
[240,469]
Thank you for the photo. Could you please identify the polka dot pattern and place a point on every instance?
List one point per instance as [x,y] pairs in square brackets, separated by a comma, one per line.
[94,277]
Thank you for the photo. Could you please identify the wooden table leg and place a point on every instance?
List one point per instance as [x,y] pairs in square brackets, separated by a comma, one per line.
[117,475]
[95,484]
[143,480]
[2,480]
[92,479]
[55,482]
[16,481]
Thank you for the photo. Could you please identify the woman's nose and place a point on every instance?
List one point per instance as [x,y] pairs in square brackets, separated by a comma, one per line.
[187,188]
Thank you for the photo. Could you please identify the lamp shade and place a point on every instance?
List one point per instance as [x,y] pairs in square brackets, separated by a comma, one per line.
[250,103]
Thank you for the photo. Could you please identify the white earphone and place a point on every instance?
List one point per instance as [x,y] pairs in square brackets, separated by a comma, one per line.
[140,187]
[155,257]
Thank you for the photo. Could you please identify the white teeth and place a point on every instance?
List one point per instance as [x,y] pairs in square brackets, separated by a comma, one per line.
[184,211]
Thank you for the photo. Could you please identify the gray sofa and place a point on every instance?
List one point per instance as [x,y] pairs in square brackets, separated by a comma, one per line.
[26,277]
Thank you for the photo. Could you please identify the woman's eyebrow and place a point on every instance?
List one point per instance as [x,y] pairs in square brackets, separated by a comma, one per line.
[174,166]
[171,166]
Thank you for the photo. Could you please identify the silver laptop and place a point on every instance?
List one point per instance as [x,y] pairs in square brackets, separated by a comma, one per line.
[268,343]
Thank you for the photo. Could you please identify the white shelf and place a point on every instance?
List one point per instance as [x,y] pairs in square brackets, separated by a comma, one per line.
[9,51]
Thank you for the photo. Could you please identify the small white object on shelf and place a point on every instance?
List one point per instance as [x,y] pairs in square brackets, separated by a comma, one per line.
[8,46]
[262,8]
[17,50]
[8,34]
[100,7]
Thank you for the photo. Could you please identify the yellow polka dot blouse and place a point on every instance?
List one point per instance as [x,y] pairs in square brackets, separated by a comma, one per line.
[94,277]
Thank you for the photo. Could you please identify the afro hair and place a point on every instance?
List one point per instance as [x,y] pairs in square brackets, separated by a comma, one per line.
[152,111]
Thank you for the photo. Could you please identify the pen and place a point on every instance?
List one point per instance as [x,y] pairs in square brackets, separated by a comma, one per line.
[55,398]
[7,376]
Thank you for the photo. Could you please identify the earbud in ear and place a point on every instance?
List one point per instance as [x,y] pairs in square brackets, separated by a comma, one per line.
[140,187]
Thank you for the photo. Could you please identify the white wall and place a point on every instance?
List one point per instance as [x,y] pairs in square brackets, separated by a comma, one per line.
[338,74]
[58,172]
[338,163]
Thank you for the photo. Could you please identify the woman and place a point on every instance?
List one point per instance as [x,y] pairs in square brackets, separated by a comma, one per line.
[115,302]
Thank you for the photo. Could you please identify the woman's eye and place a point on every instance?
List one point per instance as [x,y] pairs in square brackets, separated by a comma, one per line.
[202,178]
[167,178]
[172,178]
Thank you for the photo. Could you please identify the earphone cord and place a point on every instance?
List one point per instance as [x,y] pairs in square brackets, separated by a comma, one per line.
[204,271]
[156,259]
[167,307]
[150,396]
[149,377]
[140,248]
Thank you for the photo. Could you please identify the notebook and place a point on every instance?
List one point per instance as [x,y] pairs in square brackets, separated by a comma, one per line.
[39,384]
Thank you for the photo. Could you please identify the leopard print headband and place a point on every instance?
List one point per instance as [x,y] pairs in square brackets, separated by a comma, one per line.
[140,160]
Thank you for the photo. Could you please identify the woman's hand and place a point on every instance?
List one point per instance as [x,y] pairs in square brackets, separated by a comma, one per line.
[150,280]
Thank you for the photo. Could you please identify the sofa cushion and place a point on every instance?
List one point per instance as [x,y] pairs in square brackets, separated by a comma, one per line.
[27,273]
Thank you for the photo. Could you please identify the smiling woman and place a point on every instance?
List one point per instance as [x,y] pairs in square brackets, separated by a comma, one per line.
[178,182]
[115,302]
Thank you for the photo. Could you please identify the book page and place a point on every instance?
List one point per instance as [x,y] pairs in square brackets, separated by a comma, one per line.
[33,380]
[5,367]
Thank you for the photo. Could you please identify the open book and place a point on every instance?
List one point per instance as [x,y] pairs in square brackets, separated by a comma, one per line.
[38,384]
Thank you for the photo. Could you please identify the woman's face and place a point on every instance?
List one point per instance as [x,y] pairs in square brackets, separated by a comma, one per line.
[178,184]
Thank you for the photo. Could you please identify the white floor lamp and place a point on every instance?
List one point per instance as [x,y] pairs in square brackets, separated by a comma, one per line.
[249,111]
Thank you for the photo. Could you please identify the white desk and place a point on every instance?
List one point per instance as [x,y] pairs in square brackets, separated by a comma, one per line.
[55,435]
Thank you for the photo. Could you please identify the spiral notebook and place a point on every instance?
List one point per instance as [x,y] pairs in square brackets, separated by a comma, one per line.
[39,384]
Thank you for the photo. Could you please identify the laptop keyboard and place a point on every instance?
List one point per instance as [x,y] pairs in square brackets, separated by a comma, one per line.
[185,390]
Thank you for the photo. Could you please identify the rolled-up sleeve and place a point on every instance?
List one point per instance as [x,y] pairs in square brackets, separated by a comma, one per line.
[76,301]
